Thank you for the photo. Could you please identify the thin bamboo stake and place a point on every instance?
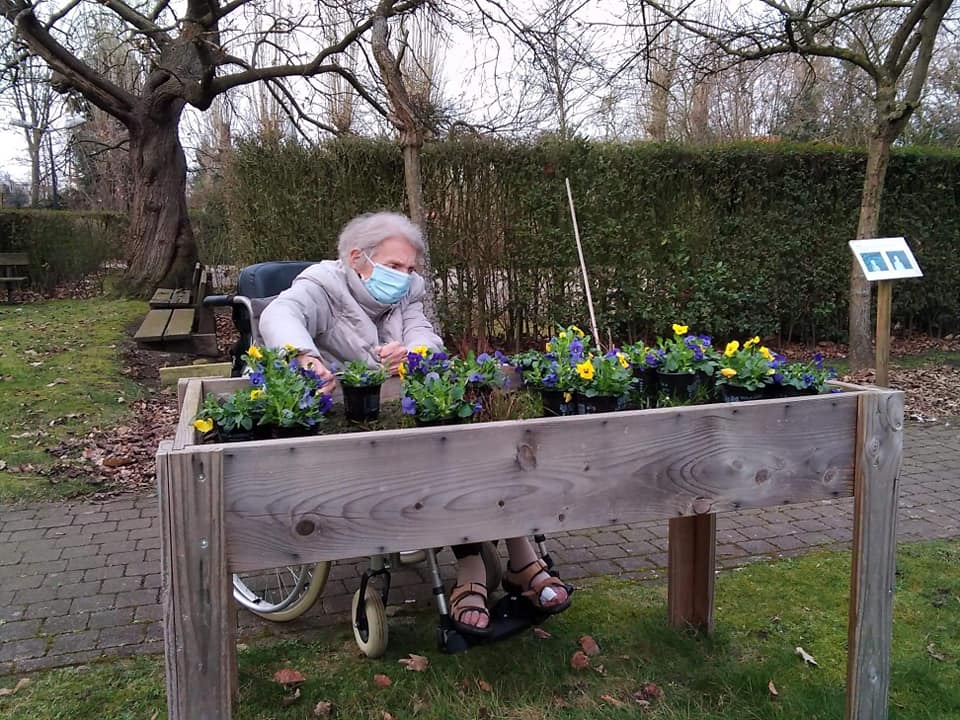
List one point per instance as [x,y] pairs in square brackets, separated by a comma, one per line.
[583,265]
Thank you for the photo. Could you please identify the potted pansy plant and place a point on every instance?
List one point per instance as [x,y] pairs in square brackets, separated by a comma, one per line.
[745,371]
[685,364]
[798,378]
[603,382]
[484,374]
[282,399]
[644,360]
[437,399]
[559,376]
[361,390]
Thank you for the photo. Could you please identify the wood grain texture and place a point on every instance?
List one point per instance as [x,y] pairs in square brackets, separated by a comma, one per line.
[692,570]
[332,497]
[198,618]
[189,407]
[878,461]
[153,325]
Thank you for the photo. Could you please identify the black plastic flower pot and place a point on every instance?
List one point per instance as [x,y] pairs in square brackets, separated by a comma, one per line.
[238,435]
[598,404]
[555,402]
[680,387]
[733,393]
[361,403]
[436,422]
[277,432]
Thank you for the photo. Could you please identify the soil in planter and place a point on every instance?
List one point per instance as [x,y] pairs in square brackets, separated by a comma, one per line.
[361,404]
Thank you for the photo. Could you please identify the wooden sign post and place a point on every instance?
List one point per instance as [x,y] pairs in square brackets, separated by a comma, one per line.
[884,260]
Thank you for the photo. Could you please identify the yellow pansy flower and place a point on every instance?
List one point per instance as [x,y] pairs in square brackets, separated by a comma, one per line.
[402,370]
[549,347]
[622,359]
[728,372]
[289,348]
[562,335]
[752,341]
[585,370]
[203,425]
[421,350]
[254,352]
[767,355]
[567,397]
[731,348]
[256,393]
[577,330]
[680,329]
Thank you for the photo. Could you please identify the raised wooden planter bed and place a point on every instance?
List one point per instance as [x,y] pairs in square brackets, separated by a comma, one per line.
[263,504]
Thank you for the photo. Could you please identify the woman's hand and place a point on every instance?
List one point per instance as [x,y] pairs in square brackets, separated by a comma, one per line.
[391,355]
[312,362]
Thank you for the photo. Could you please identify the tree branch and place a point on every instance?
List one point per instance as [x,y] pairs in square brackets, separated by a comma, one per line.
[141,23]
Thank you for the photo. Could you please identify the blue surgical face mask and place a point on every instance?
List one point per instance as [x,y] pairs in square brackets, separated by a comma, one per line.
[385,284]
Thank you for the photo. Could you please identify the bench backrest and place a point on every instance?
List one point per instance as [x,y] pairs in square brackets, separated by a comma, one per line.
[14,259]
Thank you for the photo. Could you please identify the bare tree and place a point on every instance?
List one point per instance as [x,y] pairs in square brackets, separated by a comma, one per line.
[197,51]
[891,41]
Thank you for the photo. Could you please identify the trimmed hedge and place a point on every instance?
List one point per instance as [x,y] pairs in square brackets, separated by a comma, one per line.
[62,245]
[733,240]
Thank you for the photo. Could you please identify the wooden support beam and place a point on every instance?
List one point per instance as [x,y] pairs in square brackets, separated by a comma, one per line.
[692,569]
[198,619]
[884,305]
[876,491]
[171,374]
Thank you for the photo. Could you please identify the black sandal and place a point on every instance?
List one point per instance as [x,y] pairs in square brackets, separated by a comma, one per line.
[457,608]
[532,591]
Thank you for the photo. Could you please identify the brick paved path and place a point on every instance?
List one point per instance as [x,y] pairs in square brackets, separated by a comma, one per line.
[81,581]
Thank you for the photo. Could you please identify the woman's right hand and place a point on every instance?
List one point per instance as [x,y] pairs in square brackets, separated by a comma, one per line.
[312,362]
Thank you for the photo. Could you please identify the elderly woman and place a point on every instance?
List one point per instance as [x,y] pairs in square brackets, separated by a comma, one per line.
[368,304]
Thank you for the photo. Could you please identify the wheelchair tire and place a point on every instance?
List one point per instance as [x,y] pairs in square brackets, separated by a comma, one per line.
[493,565]
[307,582]
[374,645]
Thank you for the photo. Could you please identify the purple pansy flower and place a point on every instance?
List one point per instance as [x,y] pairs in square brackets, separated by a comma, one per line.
[475,378]
[483,357]
[408,405]
[257,379]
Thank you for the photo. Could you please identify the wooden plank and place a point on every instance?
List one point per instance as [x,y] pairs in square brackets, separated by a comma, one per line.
[338,496]
[180,298]
[153,325]
[14,259]
[189,407]
[199,637]
[17,279]
[161,297]
[878,460]
[692,569]
[171,375]
[884,303]
[180,325]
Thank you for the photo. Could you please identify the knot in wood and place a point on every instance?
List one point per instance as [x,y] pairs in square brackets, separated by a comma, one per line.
[526,457]
[306,527]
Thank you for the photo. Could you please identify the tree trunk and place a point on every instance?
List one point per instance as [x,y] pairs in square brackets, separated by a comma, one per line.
[160,247]
[34,138]
[860,353]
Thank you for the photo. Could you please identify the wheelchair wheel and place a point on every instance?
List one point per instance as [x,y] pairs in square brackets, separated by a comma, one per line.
[372,639]
[281,594]
[493,565]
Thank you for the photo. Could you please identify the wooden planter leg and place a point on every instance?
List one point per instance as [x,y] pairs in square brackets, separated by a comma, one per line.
[876,489]
[198,617]
[692,561]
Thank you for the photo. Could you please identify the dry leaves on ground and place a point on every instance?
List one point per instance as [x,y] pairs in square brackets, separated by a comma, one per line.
[323,708]
[579,661]
[772,689]
[484,685]
[21,683]
[288,676]
[417,663]
[541,633]
[807,657]
[589,646]
[610,700]
[382,681]
[931,393]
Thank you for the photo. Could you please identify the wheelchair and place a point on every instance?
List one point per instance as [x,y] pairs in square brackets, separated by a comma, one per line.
[284,594]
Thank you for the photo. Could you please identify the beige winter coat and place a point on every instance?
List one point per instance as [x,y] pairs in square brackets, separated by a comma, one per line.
[329,313]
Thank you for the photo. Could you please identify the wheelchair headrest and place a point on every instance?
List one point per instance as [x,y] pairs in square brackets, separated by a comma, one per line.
[267,279]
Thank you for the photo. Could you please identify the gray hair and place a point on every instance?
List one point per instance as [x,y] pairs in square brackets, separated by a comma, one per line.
[366,232]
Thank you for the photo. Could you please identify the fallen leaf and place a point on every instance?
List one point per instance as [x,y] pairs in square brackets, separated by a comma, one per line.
[417,704]
[932,650]
[579,661]
[807,657]
[541,633]
[58,381]
[484,685]
[156,714]
[323,709]
[650,691]
[288,676]
[23,682]
[290,699]
[600,670]
[610,700]
[464,685]
[483,714]
[773,689]
[382,681]
[118,461]
[417,663]
[640,701]
[3,464]
[589,646]
[388,716]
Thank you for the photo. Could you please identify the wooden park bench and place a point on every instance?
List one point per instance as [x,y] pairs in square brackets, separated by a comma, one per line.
[13,267]
[178,321]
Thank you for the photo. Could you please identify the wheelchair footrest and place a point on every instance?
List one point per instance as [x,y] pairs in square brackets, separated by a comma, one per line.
[510,615]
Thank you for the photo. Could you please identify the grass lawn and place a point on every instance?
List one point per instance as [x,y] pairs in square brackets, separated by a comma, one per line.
[60,376]
[763,613]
